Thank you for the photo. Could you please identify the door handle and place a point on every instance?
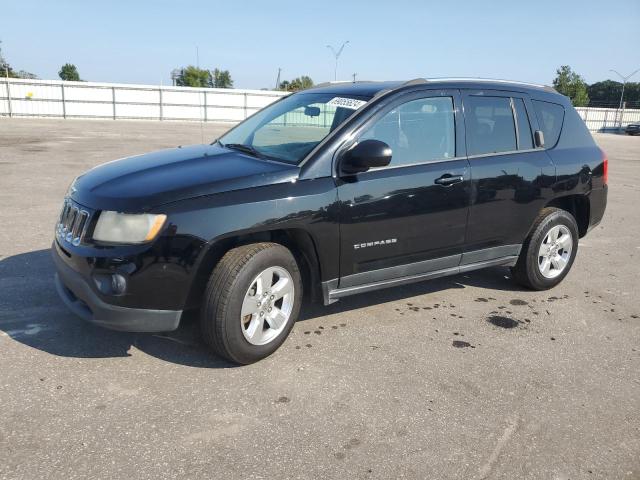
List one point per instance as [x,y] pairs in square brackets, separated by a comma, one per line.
[448,179]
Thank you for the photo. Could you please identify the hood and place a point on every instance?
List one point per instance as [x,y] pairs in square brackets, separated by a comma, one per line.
[139,183]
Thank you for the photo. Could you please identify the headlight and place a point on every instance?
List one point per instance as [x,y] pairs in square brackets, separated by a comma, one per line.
[127,228]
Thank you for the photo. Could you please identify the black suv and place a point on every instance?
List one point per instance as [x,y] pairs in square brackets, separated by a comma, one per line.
[633,129]
[341,189]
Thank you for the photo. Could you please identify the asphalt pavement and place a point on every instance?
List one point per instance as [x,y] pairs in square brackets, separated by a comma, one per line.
[463,377]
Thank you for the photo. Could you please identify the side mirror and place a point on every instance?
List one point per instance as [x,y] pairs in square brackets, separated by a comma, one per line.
[538,136]
[365,155]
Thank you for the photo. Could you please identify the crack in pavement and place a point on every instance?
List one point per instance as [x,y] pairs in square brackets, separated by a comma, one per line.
[509,430]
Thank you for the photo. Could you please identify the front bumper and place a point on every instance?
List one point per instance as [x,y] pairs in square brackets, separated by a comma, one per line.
[83,301]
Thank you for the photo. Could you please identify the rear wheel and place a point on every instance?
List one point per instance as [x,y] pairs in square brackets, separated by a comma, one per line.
[251,302]
[549,251]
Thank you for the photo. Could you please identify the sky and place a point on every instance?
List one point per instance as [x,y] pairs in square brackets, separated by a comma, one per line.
[142,41]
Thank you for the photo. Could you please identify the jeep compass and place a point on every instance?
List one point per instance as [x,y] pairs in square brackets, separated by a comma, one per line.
[341,189]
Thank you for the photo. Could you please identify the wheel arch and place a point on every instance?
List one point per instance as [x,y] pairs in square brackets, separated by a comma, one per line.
[577,205]
[297,240]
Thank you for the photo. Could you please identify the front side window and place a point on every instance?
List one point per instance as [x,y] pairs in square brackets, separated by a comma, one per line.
[490,125]
[289,129]
[418,131]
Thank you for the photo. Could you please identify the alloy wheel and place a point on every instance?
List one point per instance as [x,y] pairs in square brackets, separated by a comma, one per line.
[267,305]
[555,251]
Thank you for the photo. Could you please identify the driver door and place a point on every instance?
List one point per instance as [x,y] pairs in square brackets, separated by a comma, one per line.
[410,217]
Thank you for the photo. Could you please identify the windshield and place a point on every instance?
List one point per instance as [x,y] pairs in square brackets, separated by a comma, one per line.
[289,129]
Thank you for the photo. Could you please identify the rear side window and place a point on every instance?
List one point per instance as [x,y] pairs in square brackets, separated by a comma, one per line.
[525,141]
[550,117]
[490,125]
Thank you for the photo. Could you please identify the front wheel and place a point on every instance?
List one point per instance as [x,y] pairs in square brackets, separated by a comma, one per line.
[549,251]
[252,301]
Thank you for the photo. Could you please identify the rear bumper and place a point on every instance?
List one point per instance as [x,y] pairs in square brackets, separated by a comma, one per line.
[82,300]
[598,205]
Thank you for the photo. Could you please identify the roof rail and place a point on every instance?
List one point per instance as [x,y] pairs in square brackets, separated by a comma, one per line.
[338,82]
[420,81]
[494,80]
[415,81]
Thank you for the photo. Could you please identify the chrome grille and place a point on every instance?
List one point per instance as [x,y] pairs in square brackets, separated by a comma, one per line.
[73,223]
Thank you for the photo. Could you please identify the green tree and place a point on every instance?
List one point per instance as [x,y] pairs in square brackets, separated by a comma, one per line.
[199,77]
[632,92]
[569,83]
[221,79]
[299,83]
[193,77]
[608,92]
[25,74]
[302,83]
[284,85]
[69,72]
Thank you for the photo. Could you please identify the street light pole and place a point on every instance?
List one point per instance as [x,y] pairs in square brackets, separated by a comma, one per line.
[624,82]
[337,53]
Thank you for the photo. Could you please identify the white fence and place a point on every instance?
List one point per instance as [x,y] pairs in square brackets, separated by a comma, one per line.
[608,119]
[54,98]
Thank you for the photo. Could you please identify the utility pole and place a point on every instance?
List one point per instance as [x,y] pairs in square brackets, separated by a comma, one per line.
[354,77]
[624,82]
[6,73]
[336,54]
[278,79]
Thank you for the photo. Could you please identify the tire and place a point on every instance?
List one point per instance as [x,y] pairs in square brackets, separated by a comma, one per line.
[538,267]
[238,285]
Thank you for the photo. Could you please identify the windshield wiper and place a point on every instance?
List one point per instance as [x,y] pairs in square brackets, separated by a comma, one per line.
[245,149]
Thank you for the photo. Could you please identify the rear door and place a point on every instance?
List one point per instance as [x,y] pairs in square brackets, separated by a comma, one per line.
[511,178]
[409,217]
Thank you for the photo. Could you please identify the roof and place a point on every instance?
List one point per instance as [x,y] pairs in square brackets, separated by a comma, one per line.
[372,88]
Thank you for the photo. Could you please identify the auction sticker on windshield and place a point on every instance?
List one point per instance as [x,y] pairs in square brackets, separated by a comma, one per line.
[343,102]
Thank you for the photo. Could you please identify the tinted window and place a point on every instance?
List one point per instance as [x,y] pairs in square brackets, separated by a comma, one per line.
[417,131]
[490,126]
[550,117]
[525,141]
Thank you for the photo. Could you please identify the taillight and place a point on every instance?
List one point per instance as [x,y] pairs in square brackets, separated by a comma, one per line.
[605,168]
